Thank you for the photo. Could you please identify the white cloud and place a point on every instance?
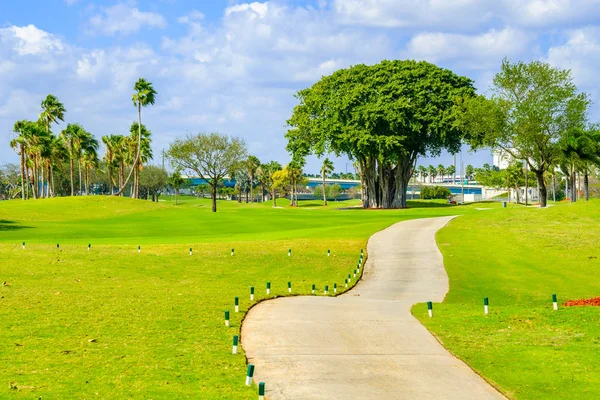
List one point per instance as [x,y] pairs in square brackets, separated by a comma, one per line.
[124,19]
[462,15]
[482,51]
[258,9]
[29,40]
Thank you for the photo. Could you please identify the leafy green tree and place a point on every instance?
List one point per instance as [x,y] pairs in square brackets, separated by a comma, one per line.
[580,149]
[209,155]
[144,95]
[252,166]
[269,174]
[153,180]
[176,181]
[383,116]
[326,168]
[531,107]
[335,190]
[441,170]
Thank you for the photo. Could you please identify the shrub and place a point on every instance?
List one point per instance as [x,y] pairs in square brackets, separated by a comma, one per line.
[435,192]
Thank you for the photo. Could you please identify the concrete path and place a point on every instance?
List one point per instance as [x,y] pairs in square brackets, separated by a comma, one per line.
[364,344]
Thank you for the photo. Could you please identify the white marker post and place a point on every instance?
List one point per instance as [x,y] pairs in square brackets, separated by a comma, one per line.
[89,246]
[236,303]
[555,302]
[226,318]
[249,374]
[23,245]
[430,309]
[268,287]
[335,288]
[251,293]
[190,251]
[261,391]
[326,290]
[289,252]
[57,246]
[235,344]
[486,304]
[346,282]
[328,253]
[355,273]
[313,288]
[139,248]
[232,252]
[289,287]
[349,278]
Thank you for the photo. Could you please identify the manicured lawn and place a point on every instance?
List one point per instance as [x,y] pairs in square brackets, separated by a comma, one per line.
[519,257]
[114,323]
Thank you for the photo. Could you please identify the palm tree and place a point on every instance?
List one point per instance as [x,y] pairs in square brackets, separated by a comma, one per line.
[142,97]
[294,173]
[141,145]
[469,172]
[109,159]
[451,171]
[88,159]
[422,172]
[120,155]
[441,170]
[432,172]
[72,137]
[580,148]
[20,145]
[326,168]
[252,165]
[52,111]
[177,181]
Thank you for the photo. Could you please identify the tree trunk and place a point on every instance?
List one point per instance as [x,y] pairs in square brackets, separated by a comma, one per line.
[324,191]
[554,187]
[71,168]
[543,193]
[586,184]
[251,187]
[49,172]
[526,183]
[80,178]
[213,195]
[121,177]
[22,171]
[517,192]
[262,192]
[274,198]
[573,186]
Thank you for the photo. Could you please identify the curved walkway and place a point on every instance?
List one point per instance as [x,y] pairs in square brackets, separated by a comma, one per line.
[364,344]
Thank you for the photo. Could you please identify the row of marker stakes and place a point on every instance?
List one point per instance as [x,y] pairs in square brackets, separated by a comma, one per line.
[486,306]
[191,250]
[236,303]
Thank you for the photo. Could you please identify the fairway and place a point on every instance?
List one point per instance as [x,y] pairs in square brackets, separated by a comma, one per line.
[518,257]
[114,323]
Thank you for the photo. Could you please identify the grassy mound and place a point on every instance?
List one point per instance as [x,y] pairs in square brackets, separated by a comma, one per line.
[518,257]
[115,323]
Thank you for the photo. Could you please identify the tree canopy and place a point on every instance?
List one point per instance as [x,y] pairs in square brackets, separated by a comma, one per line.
[383,116]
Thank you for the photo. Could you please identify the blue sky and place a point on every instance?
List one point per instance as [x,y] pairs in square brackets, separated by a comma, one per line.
[233,67]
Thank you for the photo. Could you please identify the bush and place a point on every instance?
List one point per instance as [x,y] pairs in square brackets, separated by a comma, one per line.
[435,192]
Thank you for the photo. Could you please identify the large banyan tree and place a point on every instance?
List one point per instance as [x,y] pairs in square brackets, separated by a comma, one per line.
[382,116]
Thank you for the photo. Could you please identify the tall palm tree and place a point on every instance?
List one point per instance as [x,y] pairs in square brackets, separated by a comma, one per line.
[326,169]
[142,146]
[73,136]
[20,145]
[36,139]
[252,165]
[52,111]
[441,170]
[294,172]
[110,158]
[144,95]
[432,172]
[89,160]
[120,156]
[422,172]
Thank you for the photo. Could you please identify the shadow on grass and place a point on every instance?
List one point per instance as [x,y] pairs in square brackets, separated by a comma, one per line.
[10,226]
[409,204]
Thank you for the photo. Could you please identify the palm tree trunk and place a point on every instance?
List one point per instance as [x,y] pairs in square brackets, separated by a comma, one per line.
[554,187]
[324,192]
[121,178]
[52,178]
[49,172]
[274,198]
[22,171]
[262,192]
[573,193]
[586,184]
[80,179]
[71,168]
[251,187]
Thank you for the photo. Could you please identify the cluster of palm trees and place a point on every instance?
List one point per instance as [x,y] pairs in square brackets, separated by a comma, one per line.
[43,153]
[440,172]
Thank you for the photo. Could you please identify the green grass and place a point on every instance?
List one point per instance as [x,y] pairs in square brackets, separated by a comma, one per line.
[114,323]
[519,257]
